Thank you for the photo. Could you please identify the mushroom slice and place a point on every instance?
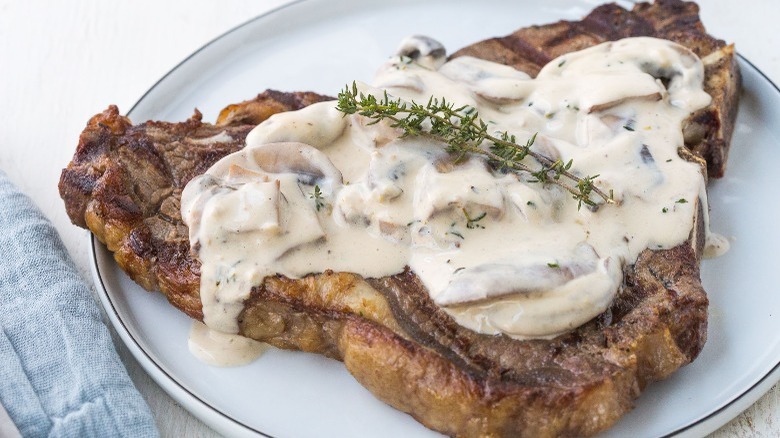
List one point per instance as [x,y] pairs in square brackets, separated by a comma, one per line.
[309,163]
[652,97]
[497,84]
[424,50]
[394,232]
[485,282]
[240,174]
[561,309]
[254,207]
[545,146]
[528,275]
[193,200]
[468,184]
[671,70]
[380,134]
[319,125]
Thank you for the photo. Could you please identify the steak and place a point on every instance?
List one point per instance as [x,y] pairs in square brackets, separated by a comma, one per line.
[124,184]
[707,131]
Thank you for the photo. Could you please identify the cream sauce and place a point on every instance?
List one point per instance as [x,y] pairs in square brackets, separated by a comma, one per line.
[499,253]
[222,349]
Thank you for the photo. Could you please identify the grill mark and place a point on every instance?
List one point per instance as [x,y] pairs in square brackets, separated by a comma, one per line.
[570,33]
[613,22]
[430,339]
[526,50]
[438,331]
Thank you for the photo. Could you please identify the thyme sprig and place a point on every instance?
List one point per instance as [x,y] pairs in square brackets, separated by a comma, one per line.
[463,132]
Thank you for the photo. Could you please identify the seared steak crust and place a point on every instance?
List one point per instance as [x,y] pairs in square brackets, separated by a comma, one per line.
[708,131]
[124,184]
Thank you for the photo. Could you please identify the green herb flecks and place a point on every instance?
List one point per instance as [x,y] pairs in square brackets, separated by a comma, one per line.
[319,201]
[456,234]
[472,222]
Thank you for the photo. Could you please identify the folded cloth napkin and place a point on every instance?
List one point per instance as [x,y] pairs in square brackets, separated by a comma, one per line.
[59,372]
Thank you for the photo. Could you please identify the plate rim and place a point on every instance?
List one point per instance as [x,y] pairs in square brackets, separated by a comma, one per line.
[222,421]
[147,360]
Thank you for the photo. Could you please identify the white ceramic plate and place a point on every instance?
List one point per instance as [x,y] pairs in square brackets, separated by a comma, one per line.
[320,45]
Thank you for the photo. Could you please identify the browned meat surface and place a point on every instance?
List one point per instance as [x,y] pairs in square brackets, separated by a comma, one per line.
[124,184]
[708,131]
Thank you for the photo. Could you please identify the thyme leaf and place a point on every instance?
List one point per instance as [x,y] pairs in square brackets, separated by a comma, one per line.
[319,201]
[471,222]
[457,234]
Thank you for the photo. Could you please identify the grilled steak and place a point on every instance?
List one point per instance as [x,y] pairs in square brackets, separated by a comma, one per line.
[124,184]
[707,131]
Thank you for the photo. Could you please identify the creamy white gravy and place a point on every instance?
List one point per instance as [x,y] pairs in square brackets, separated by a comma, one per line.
[533,264]
[222,349]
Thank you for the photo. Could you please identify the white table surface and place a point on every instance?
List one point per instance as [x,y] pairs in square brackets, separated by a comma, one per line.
[62,62]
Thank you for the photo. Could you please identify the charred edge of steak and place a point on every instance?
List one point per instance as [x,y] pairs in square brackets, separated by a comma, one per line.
[708,132]
[484,356]
[266,104]
[124,184]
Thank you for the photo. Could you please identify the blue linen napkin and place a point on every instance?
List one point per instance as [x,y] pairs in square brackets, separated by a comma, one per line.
[59,372]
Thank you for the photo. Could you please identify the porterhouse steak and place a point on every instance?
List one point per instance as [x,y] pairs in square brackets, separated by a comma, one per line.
[125,181]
